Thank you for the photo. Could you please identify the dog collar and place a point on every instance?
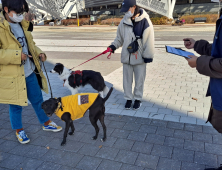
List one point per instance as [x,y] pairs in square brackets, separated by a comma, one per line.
[59,106]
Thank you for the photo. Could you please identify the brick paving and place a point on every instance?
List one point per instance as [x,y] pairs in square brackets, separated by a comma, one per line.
[133,143]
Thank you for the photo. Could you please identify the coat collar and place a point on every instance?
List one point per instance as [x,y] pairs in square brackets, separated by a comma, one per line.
[129,22]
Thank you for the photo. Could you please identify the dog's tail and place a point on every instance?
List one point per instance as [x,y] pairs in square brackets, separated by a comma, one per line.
[108,95]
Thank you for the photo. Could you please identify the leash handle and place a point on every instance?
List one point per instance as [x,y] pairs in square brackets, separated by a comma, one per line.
[104,52]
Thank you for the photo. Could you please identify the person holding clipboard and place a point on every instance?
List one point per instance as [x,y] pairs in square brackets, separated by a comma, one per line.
[210,64]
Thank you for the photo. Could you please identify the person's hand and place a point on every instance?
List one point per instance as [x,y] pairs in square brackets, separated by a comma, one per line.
[23,57]
[189,43]
[42,57]
[192,61]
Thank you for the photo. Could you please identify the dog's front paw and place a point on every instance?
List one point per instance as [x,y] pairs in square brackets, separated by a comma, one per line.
[94,137]
[71,133]
[103,139]
[63,143]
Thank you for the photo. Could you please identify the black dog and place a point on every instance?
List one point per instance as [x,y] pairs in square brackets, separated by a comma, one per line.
[76,79]
[96,111]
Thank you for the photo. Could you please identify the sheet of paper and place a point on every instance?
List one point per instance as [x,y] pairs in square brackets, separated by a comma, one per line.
[179,52]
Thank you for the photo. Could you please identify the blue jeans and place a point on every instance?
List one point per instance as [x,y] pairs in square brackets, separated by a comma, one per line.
[35,97]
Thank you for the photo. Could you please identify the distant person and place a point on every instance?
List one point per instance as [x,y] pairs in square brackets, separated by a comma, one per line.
[183,21]
[19,57]
[135,35]
[210,64]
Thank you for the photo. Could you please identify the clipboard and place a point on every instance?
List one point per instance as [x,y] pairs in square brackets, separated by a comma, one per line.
[178,51]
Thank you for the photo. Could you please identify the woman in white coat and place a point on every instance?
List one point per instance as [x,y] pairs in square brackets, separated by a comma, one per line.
[135,35]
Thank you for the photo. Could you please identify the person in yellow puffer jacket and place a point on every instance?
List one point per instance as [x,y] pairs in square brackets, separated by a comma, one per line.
[19,59]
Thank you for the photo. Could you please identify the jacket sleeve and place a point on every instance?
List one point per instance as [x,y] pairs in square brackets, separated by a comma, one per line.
[38,51]
[203,47]
[209,66]
[118,42]
[9,56]
[148,44]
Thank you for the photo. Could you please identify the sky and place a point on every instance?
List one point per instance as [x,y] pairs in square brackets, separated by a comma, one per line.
[0,1]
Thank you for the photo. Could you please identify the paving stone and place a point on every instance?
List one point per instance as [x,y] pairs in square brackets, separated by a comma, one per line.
[162,151]
[142,147]
[217,139]
[209,130]
[67,168]
[147,161]
[145,121]
[183,134]
[156,139]
[202,137]
[53,155]
[189,166]
[4,156]
[194,146]
[148,129]
[205,159]
[109,142]
[29,164]
[175,142]
[159,123]
[164,131]
[123,144]
[130,167]
[107,153]
[117,125]
[138,136]
[12,161]
[213,148]
[49,166]
[4,132]
[113,117]
[128,119]
[168,164]
[193,128]
[183,155]
[89,163]
[89,149]
[120,133]
[70,159]
[132,126]
[127,157]
[21,150]
[36,152]
[111,165]
[41,141]
[87,138]
[6,146]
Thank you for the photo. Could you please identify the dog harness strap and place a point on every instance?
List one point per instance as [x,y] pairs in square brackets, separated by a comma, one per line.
[79,73]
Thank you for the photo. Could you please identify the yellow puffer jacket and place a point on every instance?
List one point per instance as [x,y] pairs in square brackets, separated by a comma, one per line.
[76,105]
[12,77]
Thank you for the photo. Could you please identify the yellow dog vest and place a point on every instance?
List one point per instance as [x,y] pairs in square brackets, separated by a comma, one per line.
[77,104]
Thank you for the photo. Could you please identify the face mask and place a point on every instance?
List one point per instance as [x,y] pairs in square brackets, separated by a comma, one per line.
[129,14]
[16,18]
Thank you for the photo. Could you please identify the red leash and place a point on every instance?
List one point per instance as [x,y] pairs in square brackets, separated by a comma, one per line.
[104,52]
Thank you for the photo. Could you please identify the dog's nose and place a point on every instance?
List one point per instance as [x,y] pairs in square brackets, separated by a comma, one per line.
[51,71]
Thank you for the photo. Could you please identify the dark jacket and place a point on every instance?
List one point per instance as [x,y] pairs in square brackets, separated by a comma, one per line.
[210,64]
[215,51]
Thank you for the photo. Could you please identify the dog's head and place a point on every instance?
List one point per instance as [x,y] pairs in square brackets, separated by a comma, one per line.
[50,106]
[58,69]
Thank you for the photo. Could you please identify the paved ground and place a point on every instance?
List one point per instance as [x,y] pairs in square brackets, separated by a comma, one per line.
[167,133]
[132,144]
